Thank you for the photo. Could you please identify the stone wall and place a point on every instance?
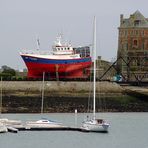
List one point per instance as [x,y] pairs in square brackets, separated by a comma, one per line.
[25,97]
[54,88]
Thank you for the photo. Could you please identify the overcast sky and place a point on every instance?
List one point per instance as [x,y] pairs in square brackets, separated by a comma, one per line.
[22,21]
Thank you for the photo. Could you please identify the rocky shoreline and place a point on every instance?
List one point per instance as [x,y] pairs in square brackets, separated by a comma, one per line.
[25,97]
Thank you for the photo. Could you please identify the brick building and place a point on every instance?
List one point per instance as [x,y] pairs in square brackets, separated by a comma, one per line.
[133,47]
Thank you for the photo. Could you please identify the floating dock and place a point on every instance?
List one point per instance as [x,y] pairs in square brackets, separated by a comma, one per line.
[64,128]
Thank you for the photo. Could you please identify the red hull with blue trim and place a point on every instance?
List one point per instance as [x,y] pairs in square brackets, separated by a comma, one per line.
[61,68]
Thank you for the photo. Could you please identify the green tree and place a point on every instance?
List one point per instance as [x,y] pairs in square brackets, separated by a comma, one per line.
[7,72]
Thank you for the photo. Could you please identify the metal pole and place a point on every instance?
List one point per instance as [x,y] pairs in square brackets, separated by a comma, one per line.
[42,105]
[75,117]
[1,96]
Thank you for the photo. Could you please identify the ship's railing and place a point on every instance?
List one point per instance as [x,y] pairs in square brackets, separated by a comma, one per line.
[35,52]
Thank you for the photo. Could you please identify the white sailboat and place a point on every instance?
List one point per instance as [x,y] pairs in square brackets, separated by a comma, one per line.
[95,125]
[44,122]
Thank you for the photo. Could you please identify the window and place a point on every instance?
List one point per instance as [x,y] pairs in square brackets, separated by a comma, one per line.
[136,22]
[135,42]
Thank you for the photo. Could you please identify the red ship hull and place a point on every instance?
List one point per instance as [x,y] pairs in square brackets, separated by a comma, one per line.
[65,69]
[80,70]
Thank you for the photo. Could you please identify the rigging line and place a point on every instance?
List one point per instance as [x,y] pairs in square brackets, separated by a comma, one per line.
[99,87]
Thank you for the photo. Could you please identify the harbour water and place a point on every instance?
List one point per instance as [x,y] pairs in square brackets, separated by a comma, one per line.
[128,130]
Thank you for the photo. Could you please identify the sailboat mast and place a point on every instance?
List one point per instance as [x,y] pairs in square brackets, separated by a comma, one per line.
[94,80]
[42,105]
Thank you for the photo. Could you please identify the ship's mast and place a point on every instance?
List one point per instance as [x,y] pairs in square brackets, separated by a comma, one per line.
[94,80]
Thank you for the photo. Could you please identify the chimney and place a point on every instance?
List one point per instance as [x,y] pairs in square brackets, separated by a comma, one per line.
[121,19]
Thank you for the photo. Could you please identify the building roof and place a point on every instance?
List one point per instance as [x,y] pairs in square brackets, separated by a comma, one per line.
[135,20]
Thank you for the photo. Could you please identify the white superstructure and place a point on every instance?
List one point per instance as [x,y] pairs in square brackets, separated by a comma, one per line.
[59,51]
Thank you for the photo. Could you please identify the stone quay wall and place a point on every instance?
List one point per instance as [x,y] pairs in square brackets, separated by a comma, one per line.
[59,96]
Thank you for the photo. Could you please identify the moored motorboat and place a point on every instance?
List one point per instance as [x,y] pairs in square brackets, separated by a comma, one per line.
[12,129]
[7,121]
[3,128]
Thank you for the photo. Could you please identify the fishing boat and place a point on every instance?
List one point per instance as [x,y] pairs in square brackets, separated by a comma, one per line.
[94,124]
[63,61]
